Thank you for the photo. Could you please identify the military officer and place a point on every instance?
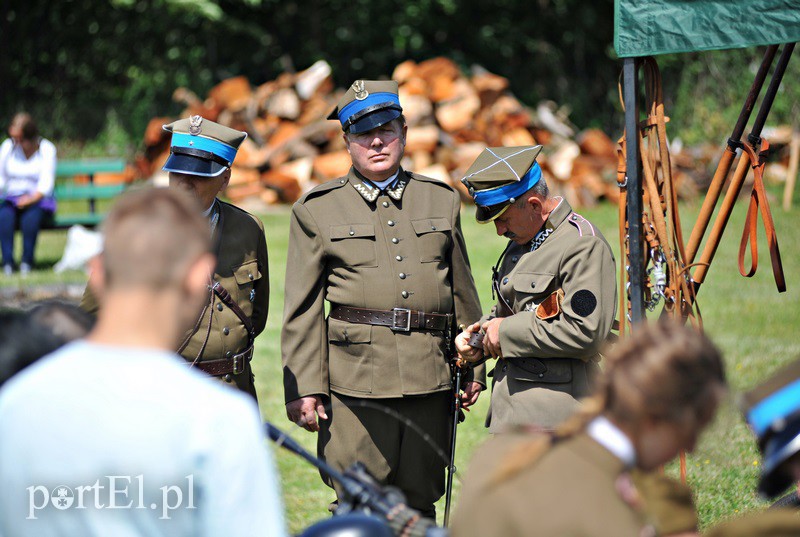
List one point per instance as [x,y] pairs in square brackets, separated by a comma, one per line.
[220,342]
[384,248]
[556,293]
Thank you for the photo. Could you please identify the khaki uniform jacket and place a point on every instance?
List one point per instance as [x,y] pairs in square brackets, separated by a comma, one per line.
[572,489]
[576,259]
[242,268]
[352,245]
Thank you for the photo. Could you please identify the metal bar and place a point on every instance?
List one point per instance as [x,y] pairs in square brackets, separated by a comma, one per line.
[630,91]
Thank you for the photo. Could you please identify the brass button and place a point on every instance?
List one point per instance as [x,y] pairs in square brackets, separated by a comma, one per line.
[228,377]
[402,275]
[395,240]
[250,275]
[399,257]
[226,331]
[385,204]
[219,306]
[433,228]
[390,222]
[505,281]
[533,284]
[228,354]
[352,232]
[404,294]
[515,259]
[341,181]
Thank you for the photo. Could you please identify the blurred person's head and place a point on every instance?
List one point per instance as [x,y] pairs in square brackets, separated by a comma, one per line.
[24,132]
[22,342]
[201,155]
[66,321]
[773,412]
[662,386]
[156,249]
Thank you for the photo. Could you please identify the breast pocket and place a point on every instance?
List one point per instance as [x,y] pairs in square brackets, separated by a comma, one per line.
[433,238]
[246,275]
[354,245]
[530,288]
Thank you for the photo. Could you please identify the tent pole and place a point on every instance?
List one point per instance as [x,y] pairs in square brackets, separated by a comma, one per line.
[633,165]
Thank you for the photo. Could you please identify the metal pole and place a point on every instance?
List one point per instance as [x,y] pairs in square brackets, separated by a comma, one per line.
[630,91]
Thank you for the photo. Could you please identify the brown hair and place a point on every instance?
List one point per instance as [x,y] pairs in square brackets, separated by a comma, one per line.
[27,126]
[151,238]
[663,371]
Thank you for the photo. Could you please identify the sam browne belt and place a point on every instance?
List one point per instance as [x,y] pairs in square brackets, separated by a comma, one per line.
[398,319]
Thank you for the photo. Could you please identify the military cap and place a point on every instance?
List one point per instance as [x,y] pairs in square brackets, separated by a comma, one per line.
[368,104]
[773,413]
[499,176]
[201,147]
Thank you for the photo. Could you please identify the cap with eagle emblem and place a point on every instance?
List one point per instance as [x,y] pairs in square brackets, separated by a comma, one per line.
[368,104]
[201,147]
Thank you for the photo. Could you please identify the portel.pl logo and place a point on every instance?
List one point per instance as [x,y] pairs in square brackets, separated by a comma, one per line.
[114,492]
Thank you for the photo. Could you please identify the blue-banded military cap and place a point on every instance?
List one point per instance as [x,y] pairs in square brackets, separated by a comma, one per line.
[201,147]
[499,176]
[368,104]
[772,410]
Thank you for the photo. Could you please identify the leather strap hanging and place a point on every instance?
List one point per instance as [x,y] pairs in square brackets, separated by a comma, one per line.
[758,200]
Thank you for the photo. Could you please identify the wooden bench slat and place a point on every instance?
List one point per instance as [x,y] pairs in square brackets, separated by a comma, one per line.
[78,192]
[87,219]
[69,168]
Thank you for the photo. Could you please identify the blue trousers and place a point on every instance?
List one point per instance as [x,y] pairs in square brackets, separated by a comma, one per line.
[30,221]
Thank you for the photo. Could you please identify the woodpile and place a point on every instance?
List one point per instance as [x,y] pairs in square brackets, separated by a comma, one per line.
[451,118]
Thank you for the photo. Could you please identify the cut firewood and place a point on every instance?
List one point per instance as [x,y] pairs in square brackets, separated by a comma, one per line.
[332,165]
[232,94]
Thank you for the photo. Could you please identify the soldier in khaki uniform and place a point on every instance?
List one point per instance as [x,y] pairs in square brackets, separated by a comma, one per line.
[773,412]
[221,339]
[556,293]
[660,389]
[384,248]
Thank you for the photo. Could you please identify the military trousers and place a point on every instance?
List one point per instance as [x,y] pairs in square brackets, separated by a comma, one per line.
[409,453]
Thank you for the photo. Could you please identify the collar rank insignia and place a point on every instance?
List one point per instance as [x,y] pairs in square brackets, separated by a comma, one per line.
[361,91]
[194,125]
[397,191]
[367,192]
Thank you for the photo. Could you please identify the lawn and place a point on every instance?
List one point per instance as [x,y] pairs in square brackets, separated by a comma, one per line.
[753,324]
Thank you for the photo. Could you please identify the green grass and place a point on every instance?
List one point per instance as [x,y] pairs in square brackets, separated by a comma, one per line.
[753,324]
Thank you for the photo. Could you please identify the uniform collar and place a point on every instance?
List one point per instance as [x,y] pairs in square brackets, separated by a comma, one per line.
[560,213]
[370,192]
[613,439]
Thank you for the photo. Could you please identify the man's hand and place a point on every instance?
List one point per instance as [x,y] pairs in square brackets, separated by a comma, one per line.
[465,352]
[303,412]
[471,392]
[491,337]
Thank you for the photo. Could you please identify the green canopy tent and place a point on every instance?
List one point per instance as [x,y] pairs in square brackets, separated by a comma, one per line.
[672,26]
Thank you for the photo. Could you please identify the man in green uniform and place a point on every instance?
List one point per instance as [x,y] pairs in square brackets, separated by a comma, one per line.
[221,341]
[556,293]
[384,248]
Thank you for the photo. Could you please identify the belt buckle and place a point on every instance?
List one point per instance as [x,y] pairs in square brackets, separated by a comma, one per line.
[405,324]
[239,360]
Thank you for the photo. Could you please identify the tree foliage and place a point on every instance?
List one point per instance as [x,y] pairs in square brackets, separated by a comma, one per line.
[72,63]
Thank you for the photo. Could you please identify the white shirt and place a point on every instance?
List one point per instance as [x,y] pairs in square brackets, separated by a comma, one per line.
[613,439]
[20,175]
[131,442]
[386,182]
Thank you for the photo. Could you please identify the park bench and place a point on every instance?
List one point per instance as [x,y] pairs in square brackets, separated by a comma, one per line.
[67,189]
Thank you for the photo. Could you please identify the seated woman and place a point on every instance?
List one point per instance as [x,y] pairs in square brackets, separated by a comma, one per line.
[659,389]
[27,176]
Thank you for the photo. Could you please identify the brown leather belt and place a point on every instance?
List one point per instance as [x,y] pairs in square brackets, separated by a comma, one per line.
[235,364]
[398,319]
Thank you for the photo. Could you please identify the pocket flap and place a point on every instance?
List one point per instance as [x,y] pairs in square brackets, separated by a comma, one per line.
[344,333]
[352,231]
[532,282]
[552,371]
[247,272]
[430,225]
